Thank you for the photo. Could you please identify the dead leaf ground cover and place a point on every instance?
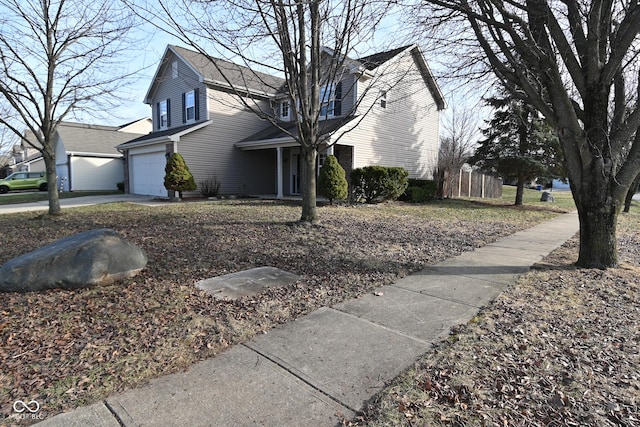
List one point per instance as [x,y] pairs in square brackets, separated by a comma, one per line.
[66,349]
[559,348]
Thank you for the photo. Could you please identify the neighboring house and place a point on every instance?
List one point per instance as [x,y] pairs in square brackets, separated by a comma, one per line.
[86,155]
[198,114]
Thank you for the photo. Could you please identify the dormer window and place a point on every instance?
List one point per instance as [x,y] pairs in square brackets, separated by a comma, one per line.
[284,110]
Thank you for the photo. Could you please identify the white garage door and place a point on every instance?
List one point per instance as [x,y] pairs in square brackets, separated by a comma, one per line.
[95,173]
[146,172]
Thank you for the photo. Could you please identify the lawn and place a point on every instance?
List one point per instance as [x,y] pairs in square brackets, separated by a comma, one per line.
[71,348]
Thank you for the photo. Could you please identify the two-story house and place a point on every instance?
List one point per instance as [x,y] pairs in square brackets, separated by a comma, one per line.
[383,110]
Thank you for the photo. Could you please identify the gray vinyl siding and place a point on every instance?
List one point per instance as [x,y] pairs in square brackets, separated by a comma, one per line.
[349,92]
[405,133]
[172,88]
[210,151]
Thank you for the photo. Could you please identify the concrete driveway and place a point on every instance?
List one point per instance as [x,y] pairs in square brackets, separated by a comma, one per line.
[81,201]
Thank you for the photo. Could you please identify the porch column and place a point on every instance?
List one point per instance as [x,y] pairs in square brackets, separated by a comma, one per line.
[279,172]
[330,150]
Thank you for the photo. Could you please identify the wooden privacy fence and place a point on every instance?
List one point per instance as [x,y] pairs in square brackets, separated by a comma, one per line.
[472,183]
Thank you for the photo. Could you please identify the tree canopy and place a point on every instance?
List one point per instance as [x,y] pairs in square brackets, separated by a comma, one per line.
[57,58]
[575,61]
[519,145]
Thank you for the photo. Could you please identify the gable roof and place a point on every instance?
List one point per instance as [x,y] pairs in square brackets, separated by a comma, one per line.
[372,62]
[85,138]
[172,134]
[221,73]
[227,75]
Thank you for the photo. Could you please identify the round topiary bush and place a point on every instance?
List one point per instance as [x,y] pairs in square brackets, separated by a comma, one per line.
[332,182]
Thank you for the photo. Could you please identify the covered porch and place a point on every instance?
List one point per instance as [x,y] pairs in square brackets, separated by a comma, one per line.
[288,152]
[288,167]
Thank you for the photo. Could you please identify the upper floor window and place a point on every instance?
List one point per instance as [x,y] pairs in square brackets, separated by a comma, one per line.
[331,100]
[383,99]
[174,69]
[163,114]
[189,106]
[284,110]
[327,100]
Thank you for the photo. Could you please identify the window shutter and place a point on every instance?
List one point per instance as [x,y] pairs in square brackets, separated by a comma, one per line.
[158,115]
[184,108]
[196,102]
[337,108]
[168,113]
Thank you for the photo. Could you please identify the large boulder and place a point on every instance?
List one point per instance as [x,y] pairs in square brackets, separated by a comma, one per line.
[95,257]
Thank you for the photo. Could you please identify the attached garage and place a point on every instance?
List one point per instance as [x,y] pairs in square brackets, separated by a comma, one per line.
[146,172]
[95,173]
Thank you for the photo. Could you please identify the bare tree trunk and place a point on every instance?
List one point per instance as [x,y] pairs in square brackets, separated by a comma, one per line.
[519,191]
[598,210]
[632,191]
[309,209]
[598,244]
[52,183]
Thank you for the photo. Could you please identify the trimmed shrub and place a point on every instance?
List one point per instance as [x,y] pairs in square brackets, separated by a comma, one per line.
[177,175]
[332,182]
[416,195]
[395,183]
[428,187]
[375,183]
[210,187]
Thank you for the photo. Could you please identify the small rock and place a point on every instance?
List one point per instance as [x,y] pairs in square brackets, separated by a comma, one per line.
[95,257]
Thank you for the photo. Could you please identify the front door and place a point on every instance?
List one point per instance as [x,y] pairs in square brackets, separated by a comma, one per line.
[295,173]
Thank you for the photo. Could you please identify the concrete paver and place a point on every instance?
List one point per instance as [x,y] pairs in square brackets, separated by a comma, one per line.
[96,415]
[238,387]
[472,291]
[412,313]
[247,282]
[342,355]
[328,363]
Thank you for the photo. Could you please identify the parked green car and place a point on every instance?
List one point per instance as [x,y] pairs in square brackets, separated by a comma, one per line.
[24,181]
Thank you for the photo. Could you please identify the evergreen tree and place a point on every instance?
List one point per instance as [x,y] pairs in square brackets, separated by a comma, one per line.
[177,175]
[519,145]
[332,182]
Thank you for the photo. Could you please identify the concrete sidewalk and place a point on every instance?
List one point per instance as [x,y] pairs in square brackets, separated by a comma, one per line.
[75,202]
[323,366]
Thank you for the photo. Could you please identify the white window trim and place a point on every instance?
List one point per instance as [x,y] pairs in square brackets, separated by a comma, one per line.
[163,115]
[329,102]
[191,105]
[383,100]
[285,106]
